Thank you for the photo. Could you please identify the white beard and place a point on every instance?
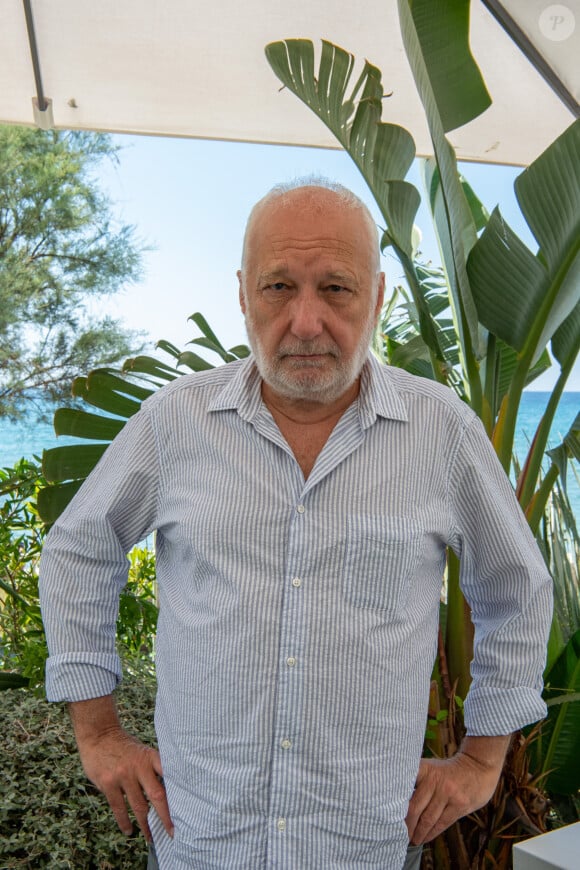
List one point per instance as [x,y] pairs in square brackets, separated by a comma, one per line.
[304,381]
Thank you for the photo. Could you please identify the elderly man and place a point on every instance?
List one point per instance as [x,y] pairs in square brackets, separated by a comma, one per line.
[303,501]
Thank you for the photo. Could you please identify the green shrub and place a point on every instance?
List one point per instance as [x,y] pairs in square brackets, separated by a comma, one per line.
[22,642]
[50,814]
[137,622]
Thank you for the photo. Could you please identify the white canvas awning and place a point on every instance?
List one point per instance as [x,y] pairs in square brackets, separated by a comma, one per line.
[183,68]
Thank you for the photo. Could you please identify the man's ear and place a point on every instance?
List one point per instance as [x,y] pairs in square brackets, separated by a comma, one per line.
[242,293]
[380,294]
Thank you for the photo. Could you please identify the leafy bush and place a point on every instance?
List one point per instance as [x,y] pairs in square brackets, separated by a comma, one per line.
[50,814]
[22,642]
[137,622]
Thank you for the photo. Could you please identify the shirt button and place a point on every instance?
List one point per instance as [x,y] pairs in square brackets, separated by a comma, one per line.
[300,508]
[290,661]
[297,582]
[281,824]
[286,743]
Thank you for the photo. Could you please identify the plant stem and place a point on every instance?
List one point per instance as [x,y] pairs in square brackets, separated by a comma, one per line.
[537,505]
[459,637]
[533,464]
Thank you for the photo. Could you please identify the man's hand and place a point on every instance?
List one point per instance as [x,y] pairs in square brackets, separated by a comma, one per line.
[448,789]
[123,768]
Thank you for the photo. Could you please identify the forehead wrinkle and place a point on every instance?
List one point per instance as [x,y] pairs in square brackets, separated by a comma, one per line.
[282,244]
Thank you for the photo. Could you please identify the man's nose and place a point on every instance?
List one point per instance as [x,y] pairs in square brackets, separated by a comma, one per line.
[306,315]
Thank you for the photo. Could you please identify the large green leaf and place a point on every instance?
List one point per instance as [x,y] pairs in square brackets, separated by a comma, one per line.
[503,272]
[406,354]
[153,368]
[66,467]
[507,364]
[193,361]
[521,297]
[71,462]
[560,737]
[402,201]
[453,218]
[210,341]
[104,391]
[566,339]
[80,424]
[559,540]
[210,338]
[240,351]
[52,499]
[443,33]
[197,362]
[525,299]
[168,347]
[568,449]
[548,192]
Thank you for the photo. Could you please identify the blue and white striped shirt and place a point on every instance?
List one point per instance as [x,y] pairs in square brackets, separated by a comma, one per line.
[298,618]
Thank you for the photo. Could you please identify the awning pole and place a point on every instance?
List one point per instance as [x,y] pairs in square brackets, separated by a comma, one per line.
[42,107]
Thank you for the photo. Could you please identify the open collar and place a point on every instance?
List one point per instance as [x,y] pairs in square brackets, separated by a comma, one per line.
[378,397]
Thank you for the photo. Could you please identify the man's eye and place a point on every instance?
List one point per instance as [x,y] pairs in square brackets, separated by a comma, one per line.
[336,288]
[279,285]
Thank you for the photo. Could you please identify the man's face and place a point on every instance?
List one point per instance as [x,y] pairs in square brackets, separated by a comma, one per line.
[310,294]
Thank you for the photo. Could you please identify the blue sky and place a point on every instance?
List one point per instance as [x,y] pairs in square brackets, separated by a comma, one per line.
[189,200]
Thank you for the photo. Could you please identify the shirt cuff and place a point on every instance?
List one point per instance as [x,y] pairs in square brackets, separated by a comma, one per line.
[82,676]
[490,711]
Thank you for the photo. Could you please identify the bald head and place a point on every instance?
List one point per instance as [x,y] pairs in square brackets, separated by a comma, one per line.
[318,197]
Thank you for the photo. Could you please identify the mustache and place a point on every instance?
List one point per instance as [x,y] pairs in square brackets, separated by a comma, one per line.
[308,348]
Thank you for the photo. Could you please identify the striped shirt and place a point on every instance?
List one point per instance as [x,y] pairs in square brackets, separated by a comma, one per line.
[298,618]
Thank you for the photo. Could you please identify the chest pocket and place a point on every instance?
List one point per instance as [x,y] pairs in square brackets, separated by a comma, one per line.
[381,556]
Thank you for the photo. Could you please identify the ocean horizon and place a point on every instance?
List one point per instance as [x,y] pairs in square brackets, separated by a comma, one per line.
[27,440]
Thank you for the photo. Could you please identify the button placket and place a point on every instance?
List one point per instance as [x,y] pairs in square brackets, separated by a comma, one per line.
[289,698]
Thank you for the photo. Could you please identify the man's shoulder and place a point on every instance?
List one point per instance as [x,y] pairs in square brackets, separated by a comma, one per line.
[413,389]
[193,385]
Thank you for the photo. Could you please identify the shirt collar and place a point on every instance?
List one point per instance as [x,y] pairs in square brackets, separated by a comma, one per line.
[378,397]
[242,393]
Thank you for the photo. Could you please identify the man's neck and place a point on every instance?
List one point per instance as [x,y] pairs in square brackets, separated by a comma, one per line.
[306,412]
[306,426]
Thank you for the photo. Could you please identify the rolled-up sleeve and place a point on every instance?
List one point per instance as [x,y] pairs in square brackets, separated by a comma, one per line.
[84,564]
[507,586]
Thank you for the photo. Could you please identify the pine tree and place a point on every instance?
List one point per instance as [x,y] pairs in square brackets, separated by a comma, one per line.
[60,249]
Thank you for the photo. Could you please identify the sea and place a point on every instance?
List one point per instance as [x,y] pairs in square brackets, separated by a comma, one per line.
[29,439]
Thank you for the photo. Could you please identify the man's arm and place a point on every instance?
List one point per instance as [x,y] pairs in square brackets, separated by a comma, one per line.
[508,587]
[448,789]
[82,571]
[123,768]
